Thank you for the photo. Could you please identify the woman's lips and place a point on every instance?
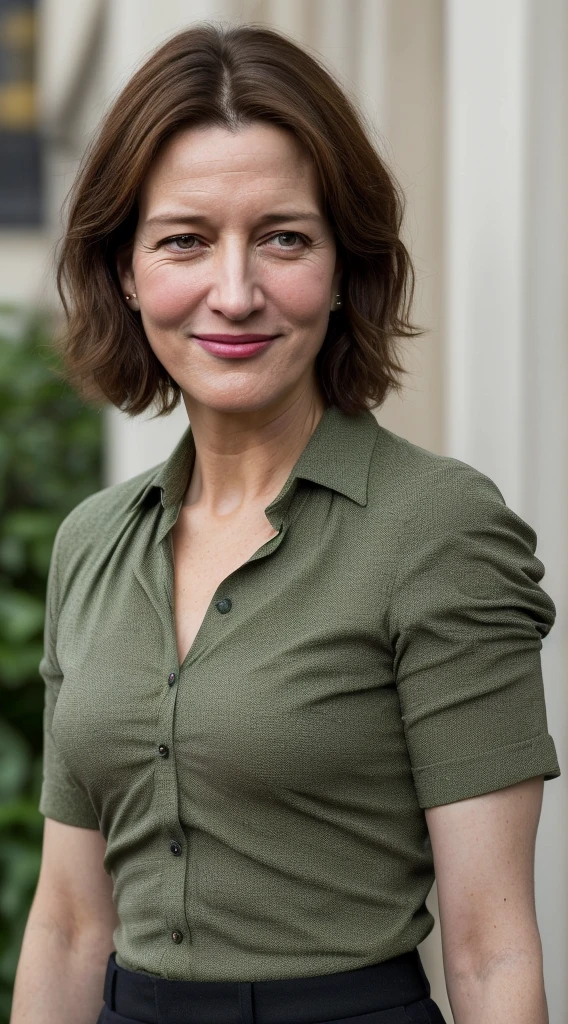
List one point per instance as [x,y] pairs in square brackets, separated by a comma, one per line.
[235,339]
[234,346]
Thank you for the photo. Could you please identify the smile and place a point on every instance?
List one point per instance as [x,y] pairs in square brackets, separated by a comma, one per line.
[234,346]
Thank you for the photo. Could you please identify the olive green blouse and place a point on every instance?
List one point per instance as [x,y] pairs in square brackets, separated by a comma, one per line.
[263,803]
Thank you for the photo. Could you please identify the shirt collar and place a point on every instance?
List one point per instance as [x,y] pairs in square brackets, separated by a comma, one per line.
[337,456]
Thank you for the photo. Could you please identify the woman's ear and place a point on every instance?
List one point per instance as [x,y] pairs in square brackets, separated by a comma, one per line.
[126,275]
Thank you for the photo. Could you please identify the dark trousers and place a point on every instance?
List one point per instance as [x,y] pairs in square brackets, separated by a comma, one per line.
[396,991]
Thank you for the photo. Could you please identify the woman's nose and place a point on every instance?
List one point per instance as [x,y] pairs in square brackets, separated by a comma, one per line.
[234,291]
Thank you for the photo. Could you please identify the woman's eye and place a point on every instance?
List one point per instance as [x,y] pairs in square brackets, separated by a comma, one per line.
[283,240]
[184,242]
[288,239]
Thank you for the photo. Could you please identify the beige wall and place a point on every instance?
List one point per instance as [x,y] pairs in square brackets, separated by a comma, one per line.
[413,126]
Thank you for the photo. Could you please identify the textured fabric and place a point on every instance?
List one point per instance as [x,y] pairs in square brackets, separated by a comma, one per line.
[381,655]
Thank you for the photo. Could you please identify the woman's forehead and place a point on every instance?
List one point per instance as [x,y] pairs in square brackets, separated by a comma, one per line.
[204,162]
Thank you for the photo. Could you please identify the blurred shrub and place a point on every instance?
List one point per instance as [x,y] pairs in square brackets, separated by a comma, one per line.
[50,459]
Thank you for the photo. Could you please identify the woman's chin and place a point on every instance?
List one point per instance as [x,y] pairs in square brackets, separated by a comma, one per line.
[234,401]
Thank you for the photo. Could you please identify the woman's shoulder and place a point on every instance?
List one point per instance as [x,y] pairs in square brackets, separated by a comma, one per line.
[103,513]
[431,497]
[417,479]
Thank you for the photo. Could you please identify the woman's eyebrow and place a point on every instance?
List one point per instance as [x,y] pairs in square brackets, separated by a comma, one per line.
[268,218]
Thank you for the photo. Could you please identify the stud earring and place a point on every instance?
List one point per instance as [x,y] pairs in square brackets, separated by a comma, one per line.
[133,296]
[336,303]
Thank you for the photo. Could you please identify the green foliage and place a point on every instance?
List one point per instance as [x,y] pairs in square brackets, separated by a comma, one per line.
[50,459]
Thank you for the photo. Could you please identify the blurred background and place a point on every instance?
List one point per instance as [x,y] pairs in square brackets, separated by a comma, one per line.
[467,101]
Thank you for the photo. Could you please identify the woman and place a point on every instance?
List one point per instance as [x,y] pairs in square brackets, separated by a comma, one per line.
[294,671]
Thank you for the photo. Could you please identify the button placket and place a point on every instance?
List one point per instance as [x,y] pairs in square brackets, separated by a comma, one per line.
[166,794]
[166,783]
[166,787]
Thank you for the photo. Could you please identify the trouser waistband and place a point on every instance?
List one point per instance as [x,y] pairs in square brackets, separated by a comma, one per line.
[153,1000]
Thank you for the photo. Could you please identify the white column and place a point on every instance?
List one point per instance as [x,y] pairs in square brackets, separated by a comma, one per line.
[288,16]
[169,16]
[506,328]
[546,459]
[334,36]
[411,52]
[371,62]
[486,61]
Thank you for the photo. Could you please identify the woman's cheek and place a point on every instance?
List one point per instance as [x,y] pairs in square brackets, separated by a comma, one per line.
[304,296]
[168,293]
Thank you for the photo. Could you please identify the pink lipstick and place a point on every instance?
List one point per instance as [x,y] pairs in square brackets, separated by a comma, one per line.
[234,346]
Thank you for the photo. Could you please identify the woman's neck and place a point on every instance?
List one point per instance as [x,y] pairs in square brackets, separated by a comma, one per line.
[245,461]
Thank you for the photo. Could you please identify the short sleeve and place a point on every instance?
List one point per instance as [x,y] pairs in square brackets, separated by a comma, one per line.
[466,623]
[61,796]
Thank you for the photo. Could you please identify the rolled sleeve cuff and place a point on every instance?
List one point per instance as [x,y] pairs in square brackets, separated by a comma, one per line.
[486,772]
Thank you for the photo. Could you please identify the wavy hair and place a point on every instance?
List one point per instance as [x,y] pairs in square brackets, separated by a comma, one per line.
[215,75]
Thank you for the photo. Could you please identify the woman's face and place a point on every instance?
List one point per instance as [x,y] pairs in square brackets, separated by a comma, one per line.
[232,240]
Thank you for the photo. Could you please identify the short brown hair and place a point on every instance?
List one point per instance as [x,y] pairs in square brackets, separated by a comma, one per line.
[234,76]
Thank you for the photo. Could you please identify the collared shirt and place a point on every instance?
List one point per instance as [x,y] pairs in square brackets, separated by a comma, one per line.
[263,803]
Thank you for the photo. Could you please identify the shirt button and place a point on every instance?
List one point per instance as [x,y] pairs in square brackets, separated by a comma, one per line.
[224,605]
[177,937]
[172,678]
[163,750]
[175,848]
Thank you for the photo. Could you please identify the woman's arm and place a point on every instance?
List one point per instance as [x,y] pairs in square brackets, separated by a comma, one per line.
[68,936]
[484,862]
